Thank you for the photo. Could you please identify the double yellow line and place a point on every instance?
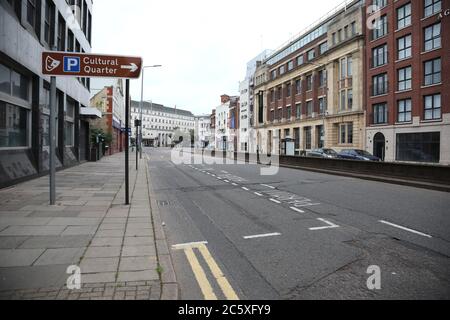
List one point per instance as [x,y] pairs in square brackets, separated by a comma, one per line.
[200,274]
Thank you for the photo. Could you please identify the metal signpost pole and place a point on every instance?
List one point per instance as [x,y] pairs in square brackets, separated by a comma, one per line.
[52,130]
[127,143]
[140,111]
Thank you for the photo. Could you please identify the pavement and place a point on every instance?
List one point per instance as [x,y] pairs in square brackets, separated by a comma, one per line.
[119,251]
[293,235]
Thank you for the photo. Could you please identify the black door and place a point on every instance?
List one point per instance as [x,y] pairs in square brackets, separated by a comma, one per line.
[84,140]
[379,146]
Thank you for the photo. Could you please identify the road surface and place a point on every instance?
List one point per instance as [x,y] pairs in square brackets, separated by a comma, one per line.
[236,234]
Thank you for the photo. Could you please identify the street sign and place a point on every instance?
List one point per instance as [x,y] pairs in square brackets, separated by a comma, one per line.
[82,65]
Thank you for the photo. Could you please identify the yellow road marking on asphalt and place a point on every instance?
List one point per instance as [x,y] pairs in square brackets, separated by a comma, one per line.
[199,272]
[218,274]
[200,275]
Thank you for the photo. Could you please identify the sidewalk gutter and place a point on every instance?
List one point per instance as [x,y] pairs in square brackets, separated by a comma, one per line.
[169,285]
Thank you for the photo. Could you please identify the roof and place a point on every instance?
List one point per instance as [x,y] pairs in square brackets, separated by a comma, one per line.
[160,108]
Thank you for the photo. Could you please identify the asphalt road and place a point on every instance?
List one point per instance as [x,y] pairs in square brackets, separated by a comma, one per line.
[298,234]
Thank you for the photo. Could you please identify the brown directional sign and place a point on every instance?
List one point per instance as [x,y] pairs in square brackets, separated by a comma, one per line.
[90,65]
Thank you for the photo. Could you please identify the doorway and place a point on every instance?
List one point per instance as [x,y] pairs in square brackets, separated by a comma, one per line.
[379,146]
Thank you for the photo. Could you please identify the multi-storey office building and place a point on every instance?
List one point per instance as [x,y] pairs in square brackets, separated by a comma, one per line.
[311,90]
[160,123]
[408,102]
[27,28]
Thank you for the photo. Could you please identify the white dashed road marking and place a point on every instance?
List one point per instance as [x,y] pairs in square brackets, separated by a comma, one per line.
[266,185]
[297,209]
[276,201]
[406,229]
[263,236]
[330,225]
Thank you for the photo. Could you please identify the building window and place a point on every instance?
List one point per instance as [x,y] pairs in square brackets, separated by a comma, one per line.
[272,115]
[350,99]
[311,54]
[380,28]
[279,93]
[379,3]
[419,147]
[322,78]
[49,25]
[380,84]
[13,83]
[298,108]
[17,6]
[404,110]
[346,68]
[433,37]
[432,72]
[309,83]
[380,113]
[323,48]
[298,86]
[289,113]
[13,126]
[290,65]
[404,16]
[300,60]
[70,41]
[288,90]
[61,38]
[281,70]
[432,7]
[308,138]
[379,56]
[297,138]
[404,47]
[353,27]
[346,133]
[322,105]
[405,78]
[309,109]
[32,14]
[433,107]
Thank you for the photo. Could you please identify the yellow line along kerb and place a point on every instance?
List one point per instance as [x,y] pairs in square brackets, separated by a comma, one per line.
[200,274]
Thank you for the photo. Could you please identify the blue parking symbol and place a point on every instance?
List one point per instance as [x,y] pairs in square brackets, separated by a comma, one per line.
[72,64]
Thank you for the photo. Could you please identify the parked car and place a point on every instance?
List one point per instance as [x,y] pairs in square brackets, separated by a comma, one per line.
[323,153]
[361,155]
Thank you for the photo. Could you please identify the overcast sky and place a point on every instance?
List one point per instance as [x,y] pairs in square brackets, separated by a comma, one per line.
[203,45]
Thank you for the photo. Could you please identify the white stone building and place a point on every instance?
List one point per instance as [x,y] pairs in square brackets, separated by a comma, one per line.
[202,131]
[161,125]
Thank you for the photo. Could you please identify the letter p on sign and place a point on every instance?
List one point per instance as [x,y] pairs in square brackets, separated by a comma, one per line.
[71,64]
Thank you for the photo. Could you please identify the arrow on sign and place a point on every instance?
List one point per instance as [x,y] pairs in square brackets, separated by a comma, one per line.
[132,67]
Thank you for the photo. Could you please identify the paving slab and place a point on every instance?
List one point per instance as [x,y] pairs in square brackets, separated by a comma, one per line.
[99,265]
[32,231]
[19,257]
[103,252]
[149,275]
[142,251]
[66,256]
[55,242]
[138,264]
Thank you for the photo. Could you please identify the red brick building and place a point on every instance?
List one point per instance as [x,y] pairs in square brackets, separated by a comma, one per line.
[407,80]
[110,101]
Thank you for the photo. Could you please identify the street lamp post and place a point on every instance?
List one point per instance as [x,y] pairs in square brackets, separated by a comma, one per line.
[141,106]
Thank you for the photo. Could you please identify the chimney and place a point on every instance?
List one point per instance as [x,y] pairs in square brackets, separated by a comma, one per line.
[224,98]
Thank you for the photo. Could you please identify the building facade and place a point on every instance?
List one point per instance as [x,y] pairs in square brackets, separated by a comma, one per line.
[110,101]
[312,90]
[227,124]
[202,131]
[161,125]
[247,104]
[408,102]
[27,28]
